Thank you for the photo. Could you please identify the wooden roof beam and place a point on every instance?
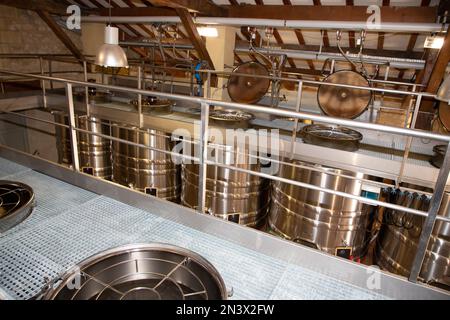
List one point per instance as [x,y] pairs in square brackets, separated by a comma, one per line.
[296,12]
[61,35]
[204,6]
[196,39]
[53,7]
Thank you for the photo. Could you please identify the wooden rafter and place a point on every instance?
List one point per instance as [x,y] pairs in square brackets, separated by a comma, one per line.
[326,41]
[301,41]
[298,12]
[53,7]
[192,32]
[62,36]
[204,6]
[277,36]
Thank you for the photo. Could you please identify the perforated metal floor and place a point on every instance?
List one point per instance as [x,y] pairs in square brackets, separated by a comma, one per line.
[69,224]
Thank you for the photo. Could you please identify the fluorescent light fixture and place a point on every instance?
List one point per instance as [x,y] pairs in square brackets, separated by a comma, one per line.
[111,54]
[434,42]
[443,93]
[208,32]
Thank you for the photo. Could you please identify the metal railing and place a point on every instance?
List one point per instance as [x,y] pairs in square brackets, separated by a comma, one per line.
[430,217]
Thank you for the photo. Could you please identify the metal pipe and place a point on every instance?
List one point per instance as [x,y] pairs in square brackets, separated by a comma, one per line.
[278,23]
[152,44]
[203,158]
[44,95]
[297,109]
[139,80]
[73,133]
[409,141]
[262,109]
[430,220]
[50,72]
[86,89]
[401,63]
[301,54]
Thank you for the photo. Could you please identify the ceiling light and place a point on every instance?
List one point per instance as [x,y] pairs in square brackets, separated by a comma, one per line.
[434,42]
[208,32]
[443,93]
[111,54]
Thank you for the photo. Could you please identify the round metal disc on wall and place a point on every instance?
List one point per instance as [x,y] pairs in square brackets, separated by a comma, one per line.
[248,89]
[341,101]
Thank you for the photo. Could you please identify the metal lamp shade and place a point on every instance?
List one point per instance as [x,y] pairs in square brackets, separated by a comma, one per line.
[111,54]
[443,93]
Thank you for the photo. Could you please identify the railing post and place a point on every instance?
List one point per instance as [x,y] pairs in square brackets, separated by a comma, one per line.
[428,225]
[86,89]
[208,88]
[50,72]
[141,118]
[44,94]
[297,109]
[72,126]
[408,111]
[409,141]
[203,157]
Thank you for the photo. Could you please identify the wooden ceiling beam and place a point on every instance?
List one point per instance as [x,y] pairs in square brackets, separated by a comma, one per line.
[60,34]
[296,12]
[301,41]
[206,7]
[440,66]
[196,39]
[53,7]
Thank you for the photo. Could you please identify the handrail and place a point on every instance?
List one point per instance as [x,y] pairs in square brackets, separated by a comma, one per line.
[431,216]
[247,107]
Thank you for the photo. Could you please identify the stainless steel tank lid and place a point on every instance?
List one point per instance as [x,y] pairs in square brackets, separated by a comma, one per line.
[141,272]
[230,115]
[335,133]
[152,102]
[16,203]
[343,101]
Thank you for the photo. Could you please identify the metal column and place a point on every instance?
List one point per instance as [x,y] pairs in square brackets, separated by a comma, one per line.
[297,109]
[430,220]
[72,126]
[203,157]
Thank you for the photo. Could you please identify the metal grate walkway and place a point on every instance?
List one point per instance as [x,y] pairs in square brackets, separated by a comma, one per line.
[69,224]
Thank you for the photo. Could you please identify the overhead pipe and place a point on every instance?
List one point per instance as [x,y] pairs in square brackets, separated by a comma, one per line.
[401,63]
[292,24]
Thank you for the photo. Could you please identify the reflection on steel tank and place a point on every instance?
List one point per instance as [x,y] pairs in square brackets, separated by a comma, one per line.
[231,195]
[94,151]
[143,169]
[399,237]
[324,221]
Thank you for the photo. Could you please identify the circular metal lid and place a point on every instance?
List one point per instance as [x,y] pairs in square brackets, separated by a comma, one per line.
[141,272]
[335,133]
[16,203]
[444,115]
[230,115]
[152,102]
[248,89]
[341,101]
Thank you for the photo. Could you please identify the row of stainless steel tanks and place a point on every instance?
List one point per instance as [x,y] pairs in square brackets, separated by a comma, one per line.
[334,224]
